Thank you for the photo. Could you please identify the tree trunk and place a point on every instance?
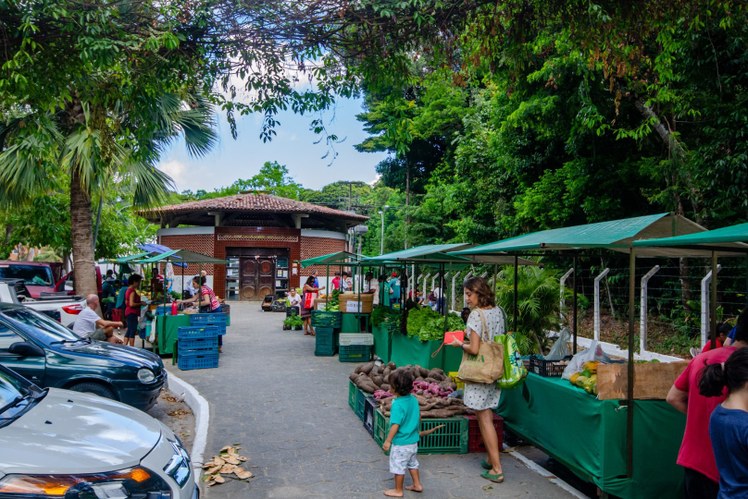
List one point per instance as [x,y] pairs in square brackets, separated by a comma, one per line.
[81,230]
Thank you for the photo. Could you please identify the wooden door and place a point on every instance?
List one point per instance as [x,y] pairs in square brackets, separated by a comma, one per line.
[266,277]
[248,285]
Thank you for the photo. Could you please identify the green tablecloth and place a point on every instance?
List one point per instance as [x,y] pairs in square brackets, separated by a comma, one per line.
[382,342]
[166,331]
[407,350]
[589,436]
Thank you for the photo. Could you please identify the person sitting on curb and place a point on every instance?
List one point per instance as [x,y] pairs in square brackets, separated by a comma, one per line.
[89,324]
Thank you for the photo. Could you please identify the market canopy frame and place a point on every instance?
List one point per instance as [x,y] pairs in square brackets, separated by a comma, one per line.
[344,258]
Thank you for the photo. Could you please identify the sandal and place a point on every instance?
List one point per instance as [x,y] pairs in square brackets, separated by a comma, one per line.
[486,465]
[497,478]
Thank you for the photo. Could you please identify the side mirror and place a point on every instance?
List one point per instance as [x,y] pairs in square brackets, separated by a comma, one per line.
[25,349]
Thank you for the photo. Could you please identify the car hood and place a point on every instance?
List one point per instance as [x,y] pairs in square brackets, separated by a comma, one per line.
[71,432]
[126,355]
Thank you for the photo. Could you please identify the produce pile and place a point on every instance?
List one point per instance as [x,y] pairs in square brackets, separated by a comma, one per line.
[587,378]
[332,303]
[430,387]
[426,324]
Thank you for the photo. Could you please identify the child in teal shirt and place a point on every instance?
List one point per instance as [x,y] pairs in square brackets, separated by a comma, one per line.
[402,440]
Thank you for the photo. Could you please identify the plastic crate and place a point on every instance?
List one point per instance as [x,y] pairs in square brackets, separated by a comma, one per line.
[475,440]
[199,360]
[547,368]
[348,339]
[352,394]
[452,439]
[216,320]
[195,332]
[360,404]
[370,407]
[188,345]
[322,318]
[325,342]
[355,353]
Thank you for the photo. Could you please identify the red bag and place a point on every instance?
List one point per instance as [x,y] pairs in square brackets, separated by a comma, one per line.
[309,300]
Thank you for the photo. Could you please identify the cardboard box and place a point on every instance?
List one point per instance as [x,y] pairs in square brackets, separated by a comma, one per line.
[349,303]
[652,380]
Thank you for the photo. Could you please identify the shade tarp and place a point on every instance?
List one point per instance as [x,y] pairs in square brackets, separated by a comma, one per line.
[616,235]
[182,256]
[129,258]
[732,238]
[338,258]
[428,253]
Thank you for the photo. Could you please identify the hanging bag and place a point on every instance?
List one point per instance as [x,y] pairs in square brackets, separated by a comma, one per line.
[514,368]
[309,300]
[488,365]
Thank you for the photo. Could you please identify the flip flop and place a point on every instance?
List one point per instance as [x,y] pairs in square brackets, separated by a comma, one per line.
[497,478]
[486,465]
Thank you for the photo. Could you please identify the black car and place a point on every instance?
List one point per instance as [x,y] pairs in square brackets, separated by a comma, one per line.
[50,355]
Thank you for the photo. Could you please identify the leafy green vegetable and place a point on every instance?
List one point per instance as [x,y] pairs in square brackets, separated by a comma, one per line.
[427,325]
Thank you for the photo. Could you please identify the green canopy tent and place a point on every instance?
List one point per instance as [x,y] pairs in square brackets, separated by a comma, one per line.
[616,235]
[727,241]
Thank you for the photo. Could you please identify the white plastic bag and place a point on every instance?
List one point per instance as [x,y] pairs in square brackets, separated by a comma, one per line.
[594,352]
[152,336]
[560,348]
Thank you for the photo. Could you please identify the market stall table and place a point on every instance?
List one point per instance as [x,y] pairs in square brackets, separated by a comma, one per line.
[589,436]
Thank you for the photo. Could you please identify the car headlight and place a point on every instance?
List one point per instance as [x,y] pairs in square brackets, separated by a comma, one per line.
[134,482]
[146,375]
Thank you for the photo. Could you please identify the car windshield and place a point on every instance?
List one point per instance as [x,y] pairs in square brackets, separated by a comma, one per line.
[11,389]
[35,275]
[49,331]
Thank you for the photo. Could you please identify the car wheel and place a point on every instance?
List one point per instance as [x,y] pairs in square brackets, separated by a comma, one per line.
[95,388]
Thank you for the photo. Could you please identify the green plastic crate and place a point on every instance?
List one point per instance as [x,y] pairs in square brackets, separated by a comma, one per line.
[355,353]
[452,439]
[360,404]
[322,318]
[325,342]
[352,392]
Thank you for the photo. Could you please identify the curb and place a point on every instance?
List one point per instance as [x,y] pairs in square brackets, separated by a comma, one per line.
[201,409]
[544,473]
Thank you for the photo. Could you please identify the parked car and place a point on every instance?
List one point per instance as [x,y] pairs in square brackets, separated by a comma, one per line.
[40,277]
[57,443]
[51,355]
[63,308]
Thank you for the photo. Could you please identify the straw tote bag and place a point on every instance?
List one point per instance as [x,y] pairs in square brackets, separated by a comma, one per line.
[485,367]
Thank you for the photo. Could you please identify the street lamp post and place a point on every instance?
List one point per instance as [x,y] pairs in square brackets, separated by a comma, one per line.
[381,241]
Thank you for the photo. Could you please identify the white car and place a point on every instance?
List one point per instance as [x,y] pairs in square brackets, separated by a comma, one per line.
[60,443]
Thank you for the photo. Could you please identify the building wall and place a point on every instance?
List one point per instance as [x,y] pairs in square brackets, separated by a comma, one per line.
[214,241]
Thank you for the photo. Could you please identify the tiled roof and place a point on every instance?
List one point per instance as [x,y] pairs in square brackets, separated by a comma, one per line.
[252,203]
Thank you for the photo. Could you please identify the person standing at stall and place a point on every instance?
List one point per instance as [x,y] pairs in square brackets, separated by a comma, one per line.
[132,308]
[701,477]
[307,304]
[728,424]
[486,321]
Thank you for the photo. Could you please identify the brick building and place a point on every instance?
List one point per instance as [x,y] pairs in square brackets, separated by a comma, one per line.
[262,237]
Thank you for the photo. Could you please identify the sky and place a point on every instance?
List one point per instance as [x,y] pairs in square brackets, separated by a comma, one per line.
[293,146]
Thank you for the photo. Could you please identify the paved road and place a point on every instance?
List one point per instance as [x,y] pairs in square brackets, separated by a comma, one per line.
[289,412]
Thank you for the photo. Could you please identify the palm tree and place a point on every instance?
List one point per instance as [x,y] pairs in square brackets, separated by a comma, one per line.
[98,150]
[537,303]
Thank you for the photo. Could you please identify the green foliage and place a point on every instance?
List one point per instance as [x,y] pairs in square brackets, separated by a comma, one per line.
[537,303]
[426,324]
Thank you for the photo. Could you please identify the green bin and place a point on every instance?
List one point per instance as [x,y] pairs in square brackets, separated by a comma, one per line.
[408,350]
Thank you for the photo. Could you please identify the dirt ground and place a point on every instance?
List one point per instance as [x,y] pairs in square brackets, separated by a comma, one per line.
[174,413]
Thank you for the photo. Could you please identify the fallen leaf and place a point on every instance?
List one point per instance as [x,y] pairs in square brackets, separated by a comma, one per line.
[219,479]
[218,461]
[242,458]
[213,469]
[227,468]
[242,473]
[211,483]
[232,459]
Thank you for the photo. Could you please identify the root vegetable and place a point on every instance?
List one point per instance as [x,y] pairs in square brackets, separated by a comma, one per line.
[366,368]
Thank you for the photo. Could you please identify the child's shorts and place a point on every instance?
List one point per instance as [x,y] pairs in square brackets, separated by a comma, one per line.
[403,457]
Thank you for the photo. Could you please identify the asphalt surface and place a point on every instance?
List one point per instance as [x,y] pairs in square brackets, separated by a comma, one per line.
[288,411]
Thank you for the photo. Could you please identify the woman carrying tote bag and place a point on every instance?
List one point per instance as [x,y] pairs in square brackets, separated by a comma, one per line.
[486,320]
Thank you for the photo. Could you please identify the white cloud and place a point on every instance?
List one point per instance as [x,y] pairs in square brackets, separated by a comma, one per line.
[176,170]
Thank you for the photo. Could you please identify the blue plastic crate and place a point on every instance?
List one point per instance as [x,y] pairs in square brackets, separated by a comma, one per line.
[193,332]
[188,345]
[199,360]
[215,320]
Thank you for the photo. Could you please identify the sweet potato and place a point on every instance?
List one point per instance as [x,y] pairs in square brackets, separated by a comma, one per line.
[377,379]
[365,383]
[392,366]
[366,368]
[386,387]
[437,374]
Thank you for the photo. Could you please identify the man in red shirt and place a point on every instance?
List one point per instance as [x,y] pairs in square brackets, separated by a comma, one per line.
[701,480]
